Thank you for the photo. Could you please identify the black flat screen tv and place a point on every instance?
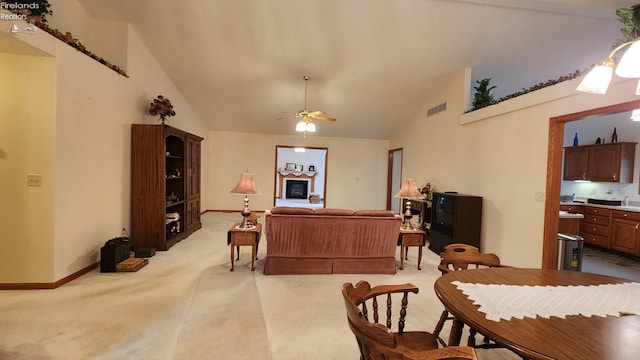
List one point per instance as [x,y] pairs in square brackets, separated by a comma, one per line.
[443,209]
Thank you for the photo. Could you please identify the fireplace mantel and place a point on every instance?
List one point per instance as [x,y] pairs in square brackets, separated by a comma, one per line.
[290,174]
[307,174]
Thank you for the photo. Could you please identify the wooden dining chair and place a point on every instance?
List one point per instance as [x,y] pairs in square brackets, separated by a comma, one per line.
[457,257]
[379,337]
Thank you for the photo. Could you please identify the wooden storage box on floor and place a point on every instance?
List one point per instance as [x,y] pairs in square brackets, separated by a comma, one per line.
[131,264]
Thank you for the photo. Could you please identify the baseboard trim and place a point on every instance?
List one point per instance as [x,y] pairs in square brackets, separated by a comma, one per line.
[229,211]
[41,286]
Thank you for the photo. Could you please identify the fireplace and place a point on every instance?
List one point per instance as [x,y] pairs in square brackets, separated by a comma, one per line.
[296,189]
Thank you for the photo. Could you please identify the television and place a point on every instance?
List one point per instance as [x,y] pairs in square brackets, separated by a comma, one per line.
[443,209]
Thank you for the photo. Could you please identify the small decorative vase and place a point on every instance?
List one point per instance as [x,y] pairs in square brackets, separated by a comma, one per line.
[163,120]
[614,136]
[575,140]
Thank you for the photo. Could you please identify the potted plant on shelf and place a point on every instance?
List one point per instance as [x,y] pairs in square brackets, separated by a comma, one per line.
[483,95]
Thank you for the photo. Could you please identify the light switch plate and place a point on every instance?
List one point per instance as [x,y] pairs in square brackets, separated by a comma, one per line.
[34,180]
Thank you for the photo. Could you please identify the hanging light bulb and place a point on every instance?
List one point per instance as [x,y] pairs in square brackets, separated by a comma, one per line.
[301,126]
[629,63]
[311,127]
[598,79]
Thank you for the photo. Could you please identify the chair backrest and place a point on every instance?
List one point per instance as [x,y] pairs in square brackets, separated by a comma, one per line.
[462,256]
[378,340]
[363,311]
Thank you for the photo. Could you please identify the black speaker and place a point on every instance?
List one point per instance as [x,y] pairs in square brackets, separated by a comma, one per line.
[113,252]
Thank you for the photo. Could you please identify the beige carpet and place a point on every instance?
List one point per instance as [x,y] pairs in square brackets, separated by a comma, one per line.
[186,304]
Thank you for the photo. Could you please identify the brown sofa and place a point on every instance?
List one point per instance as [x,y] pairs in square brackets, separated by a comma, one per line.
[325,241]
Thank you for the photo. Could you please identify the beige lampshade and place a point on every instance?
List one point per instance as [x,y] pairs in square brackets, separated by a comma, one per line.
[409,190]
[246,185]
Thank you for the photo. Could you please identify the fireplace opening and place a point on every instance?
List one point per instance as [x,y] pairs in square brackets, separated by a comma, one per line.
[296,189]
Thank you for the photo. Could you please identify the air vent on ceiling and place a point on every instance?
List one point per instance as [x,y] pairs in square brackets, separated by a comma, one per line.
[436,109]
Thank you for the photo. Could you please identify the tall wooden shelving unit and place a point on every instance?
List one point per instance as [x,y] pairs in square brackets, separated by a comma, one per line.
[165,179]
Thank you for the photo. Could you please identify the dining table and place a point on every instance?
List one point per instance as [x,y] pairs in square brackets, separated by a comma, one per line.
[546,313]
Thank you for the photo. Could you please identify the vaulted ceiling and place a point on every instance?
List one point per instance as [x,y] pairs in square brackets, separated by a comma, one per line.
[372,63]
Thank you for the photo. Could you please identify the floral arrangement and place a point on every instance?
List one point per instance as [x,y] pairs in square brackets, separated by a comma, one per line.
[161,106]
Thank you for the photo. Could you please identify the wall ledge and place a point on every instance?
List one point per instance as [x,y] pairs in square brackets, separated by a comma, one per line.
[555,92]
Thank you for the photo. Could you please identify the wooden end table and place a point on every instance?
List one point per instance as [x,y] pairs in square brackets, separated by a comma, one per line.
[244,237]
[411,238]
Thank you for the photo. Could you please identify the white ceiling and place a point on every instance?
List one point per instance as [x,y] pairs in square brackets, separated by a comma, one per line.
[240,63]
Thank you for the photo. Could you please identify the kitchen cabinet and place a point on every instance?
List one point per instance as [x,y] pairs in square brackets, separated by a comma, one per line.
[595,226]
[576,162]
[612,162]
[625,234]
[574,209]
[601,162]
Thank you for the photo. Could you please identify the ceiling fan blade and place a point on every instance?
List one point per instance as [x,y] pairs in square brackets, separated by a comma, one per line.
[317,112]
[290,116]
[322,117]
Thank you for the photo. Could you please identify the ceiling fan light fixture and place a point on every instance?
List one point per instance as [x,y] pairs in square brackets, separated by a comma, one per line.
[311,127]
[301,126]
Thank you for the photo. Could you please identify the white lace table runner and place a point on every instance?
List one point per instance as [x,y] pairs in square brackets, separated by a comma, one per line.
[517,301]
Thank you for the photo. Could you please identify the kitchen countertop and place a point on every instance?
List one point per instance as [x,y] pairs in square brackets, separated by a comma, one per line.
[611,207]
[568,215]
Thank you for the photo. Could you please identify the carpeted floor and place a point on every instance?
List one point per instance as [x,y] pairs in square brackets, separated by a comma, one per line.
[186,304]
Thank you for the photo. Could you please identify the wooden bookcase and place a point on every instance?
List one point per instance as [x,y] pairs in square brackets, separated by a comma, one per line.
[165,179]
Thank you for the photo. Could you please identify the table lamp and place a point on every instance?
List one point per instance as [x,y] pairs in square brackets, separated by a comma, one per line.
[409,191]
[246,186]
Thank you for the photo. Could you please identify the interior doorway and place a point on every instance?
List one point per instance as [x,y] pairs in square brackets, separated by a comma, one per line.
[554,174]
[394,179]
[300,176]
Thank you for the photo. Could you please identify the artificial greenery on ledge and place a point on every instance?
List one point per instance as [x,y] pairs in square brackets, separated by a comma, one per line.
[36,11]
[68,39]
[483,98]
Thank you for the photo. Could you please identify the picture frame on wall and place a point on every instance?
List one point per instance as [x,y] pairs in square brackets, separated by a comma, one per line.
[299,167]
[290,166]
[312,168]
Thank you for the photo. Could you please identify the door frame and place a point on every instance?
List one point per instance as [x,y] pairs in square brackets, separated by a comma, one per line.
[390,173]
[554,174]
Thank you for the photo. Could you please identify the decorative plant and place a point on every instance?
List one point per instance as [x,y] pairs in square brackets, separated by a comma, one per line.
[161,106]
[483,95]
[36,10]
[630,18]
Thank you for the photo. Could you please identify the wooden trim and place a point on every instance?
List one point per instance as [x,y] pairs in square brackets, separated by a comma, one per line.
[390,174]
[554,175]
[40,286]
[326,169]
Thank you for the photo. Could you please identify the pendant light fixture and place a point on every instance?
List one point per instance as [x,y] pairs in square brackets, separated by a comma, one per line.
[598,79]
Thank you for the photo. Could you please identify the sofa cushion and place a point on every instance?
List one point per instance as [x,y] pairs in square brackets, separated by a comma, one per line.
[375,213]
[286,210]
[334,212]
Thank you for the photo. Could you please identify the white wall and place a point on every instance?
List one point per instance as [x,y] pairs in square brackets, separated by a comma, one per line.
[499,153]
[27,146]
[92,112]
[356,169]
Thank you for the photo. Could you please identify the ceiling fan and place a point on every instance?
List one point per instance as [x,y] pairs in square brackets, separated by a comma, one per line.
[305,124]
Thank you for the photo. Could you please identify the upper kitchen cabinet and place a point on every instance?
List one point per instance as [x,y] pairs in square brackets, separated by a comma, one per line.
[576,162]
[601,162]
